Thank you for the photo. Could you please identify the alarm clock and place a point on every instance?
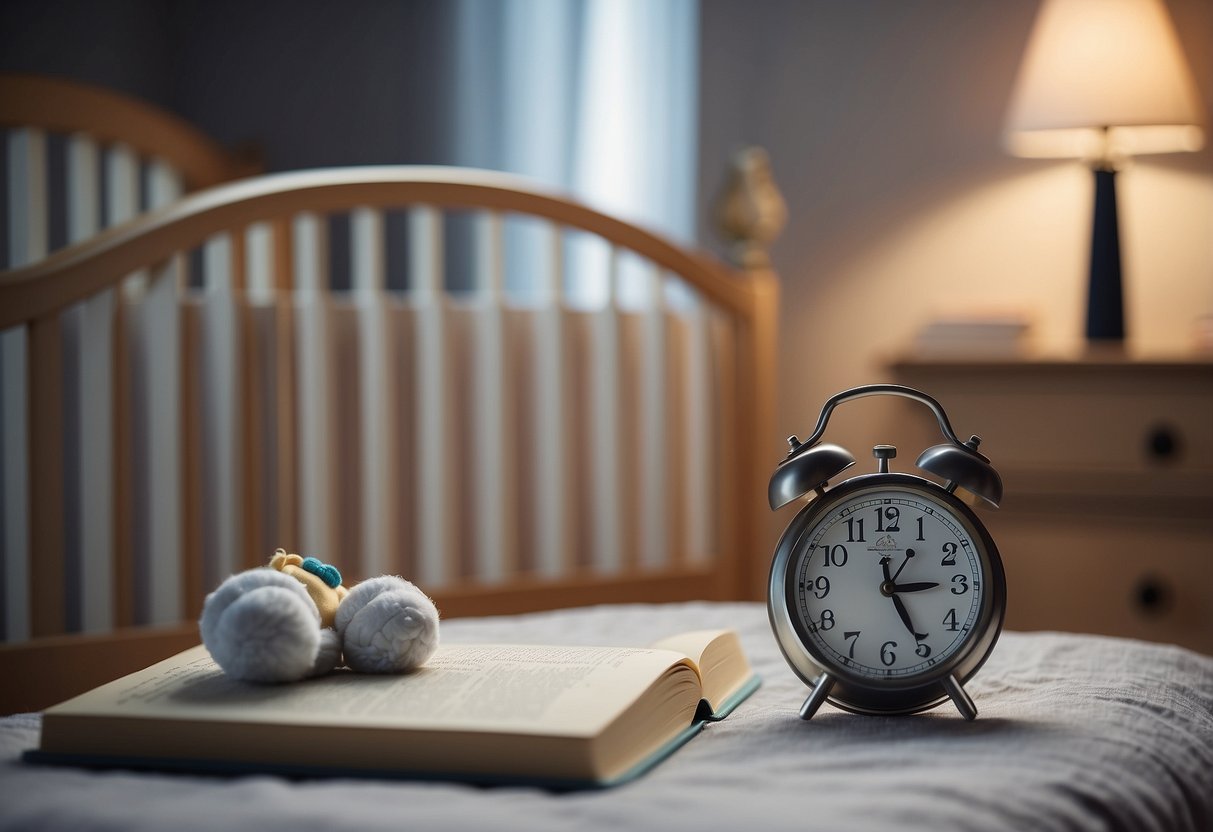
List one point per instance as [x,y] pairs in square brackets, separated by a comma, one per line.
[886,592]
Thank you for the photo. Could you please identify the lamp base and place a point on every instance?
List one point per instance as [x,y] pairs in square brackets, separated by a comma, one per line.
[1105,299]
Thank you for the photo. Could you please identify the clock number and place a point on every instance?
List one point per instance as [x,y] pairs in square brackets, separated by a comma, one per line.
[893,515]
[950,621]
[887,656]
[834,555]
[949,554]
[963,580]
[920,534]
[827,620]
[853,524]
[923,650]
[852,637]
[821,587]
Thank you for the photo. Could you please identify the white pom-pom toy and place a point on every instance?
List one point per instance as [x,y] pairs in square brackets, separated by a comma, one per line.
[294,619]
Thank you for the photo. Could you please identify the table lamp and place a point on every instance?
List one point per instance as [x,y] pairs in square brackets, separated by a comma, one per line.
[1103,80]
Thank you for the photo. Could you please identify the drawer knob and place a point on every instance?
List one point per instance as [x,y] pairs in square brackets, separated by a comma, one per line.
[1152,595]
[1163,444]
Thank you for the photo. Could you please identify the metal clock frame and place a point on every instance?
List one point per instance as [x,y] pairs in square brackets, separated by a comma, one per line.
[836,684]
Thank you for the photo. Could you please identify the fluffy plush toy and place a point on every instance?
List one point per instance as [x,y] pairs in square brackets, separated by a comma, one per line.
[294,619]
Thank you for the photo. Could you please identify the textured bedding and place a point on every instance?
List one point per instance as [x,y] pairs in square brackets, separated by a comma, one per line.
[1074,733]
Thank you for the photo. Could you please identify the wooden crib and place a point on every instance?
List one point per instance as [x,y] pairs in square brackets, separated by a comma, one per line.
[506,454]
[78,158]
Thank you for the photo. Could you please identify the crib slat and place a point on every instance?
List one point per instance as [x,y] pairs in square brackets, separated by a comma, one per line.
[121,184]
[193,530]
[368,267]
[162,446]
[346,426]
[310,254]
[731,468]
[675,424]
[239,262]
[14,389]
[268,393]
[124,351]
[161,329]
[221,458]
[316,412]
[285,419]
[93,420]
[71,321]
[608,447]
[248,513]
[655,484]
[27,221]
[496,495]
[699,479]
[83,188]
[437,540]
[268,397]
[552,414]
[121,191]
[46,571]
[256,324]
[259,263]
[28,206]
[122,201]
[164,185]
[283,255]
[380,495]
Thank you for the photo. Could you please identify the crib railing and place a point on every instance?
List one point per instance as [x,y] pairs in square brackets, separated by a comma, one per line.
[505,452]
[79,159]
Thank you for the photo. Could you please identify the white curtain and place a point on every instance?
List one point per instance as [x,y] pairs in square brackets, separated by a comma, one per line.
[596,97]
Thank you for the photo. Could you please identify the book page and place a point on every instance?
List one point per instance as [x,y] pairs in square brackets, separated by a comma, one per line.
[690,644]
[717,654]
[521,688]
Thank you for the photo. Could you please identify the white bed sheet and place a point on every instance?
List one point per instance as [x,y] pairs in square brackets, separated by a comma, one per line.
[1075,733]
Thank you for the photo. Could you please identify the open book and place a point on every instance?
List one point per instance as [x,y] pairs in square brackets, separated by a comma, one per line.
[565,717]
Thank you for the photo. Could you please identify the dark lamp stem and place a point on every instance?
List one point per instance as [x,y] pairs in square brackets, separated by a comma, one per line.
[1105,301]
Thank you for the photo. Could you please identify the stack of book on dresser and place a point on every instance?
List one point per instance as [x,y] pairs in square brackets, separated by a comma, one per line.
[974,336]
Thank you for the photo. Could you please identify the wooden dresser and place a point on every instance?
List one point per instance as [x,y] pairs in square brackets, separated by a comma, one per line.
[1106,525]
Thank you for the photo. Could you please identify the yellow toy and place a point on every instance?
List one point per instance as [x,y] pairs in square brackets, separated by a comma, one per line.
[316,580]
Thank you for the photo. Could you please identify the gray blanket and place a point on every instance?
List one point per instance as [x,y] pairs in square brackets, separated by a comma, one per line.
[1075,733]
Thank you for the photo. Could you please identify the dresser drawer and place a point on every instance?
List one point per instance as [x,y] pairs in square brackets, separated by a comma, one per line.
[1090,430]
[1130,418]
[1106,523]
[1128,577]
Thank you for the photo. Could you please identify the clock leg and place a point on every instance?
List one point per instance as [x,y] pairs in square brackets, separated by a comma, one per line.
[962,700]
[821,689]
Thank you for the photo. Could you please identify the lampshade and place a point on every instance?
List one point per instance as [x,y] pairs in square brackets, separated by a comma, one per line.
[1103,78]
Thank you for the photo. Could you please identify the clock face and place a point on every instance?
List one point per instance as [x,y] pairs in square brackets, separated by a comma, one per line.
[887,584]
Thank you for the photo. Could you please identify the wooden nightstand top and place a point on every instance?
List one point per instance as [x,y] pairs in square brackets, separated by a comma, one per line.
[1097,361]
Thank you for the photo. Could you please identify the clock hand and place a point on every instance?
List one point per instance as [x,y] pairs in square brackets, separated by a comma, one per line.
[917,586]
[884,564]
[905,619]
[909,554]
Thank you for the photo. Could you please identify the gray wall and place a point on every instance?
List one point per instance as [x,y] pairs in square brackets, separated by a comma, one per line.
[308,83]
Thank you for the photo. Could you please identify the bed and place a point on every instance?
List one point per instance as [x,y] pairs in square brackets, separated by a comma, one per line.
[1075,733]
